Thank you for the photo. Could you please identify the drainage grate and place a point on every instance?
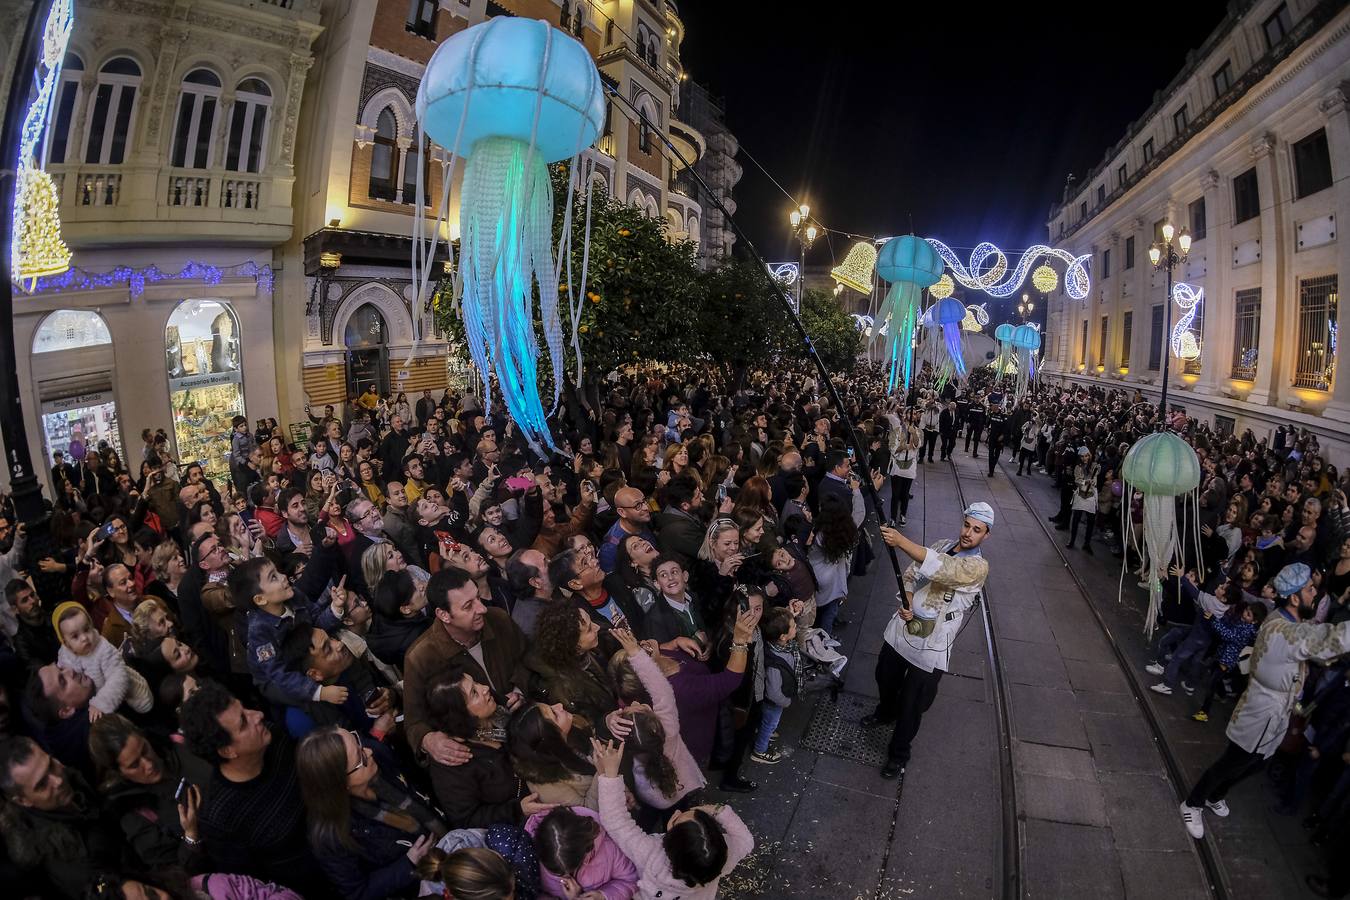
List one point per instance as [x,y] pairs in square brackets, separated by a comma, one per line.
[834,729]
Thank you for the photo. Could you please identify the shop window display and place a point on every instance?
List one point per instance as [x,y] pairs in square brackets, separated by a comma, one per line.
[206,382]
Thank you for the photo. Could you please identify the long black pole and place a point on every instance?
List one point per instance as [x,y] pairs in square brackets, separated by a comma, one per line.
[13,428]
[1166,338]
[860,451]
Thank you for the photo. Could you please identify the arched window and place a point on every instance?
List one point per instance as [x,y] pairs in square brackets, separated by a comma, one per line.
[196,120]
[70,329]
[110,115]
[411,164]
[693,229]
[365,328]
[642,35]
[248,126]
[565,16]
[206,383]
[609,32]
[653,51]
[72,70]
[384,158]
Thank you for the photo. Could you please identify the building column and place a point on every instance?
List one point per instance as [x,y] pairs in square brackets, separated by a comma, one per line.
[1274,304]
[1216,338]
[1333,107]
[404,143]
[1114,308]
[1140,302]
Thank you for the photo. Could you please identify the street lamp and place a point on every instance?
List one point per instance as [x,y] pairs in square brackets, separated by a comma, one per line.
[805,231]
[1026,307]
[1167,256]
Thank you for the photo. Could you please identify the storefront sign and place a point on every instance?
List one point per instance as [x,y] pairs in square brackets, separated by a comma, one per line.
[211,379]
[66,403]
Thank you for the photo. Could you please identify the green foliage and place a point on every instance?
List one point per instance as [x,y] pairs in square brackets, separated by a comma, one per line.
[836,337]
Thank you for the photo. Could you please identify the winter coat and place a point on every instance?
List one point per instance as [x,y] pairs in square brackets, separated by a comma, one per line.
[227,886]
[582,690]
[605,868]
[483,791]
[687,772]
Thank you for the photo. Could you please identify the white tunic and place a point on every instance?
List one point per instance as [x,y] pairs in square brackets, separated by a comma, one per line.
[1278,666]
[905,440]
[1085,481]
[945,587]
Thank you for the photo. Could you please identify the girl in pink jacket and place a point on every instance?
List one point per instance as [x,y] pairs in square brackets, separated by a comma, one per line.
[577,858]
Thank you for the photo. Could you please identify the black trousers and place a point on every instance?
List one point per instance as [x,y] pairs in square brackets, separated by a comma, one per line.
[974,431]
[1026,460]
[733,741]
[1081,516]
[1065,502]
[1235,765]
[995,451]
[906,693]
[900,486]
[929,442]
[948,444]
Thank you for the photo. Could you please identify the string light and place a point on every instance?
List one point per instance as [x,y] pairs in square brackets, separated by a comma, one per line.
[976,318]
[1185,345]
[856,270]
[1044,279]
[988,269]
[78,279]
[784,273]
[944,288]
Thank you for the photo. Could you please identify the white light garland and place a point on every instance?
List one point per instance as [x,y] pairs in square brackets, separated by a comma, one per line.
[784,273]
[943,289]
[988,269]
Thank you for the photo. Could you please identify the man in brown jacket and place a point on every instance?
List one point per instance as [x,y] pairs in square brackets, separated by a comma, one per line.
[467,635]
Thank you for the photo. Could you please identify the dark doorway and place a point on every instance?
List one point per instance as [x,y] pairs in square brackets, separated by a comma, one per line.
[367,355]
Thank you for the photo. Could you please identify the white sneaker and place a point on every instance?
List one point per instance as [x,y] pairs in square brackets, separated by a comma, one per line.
[1193,817]
[1161,688]
[1218,807]
[1154,669]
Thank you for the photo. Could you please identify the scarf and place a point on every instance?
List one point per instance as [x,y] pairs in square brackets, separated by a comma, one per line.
[401,808]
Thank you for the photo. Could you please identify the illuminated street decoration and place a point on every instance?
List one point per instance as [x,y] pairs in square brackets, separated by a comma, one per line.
[944,288]
[1044,279]
[988,269]
[976,318]
[856,270]
[785,273]
[1185,345]
[136,279]
[909,264]
[36,248]
[511,95]
[864,323]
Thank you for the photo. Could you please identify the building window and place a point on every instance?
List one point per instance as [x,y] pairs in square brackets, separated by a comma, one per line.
[197,104]
[1222,79]
[644,137]
[72,69]
[412,162]
[1155,339]
[1122,175]
[1198,219]
[609,32]
[1277,26]
[1246,197]
[1082,211]
[1180,120]
[1129,252]
[1106,263]
[1192,366]
[1312,164]
[1101,195]
[1148,151]
[110,114]
[1082,347]
[71,329]
[206,382]
[248,126]
[1246,334]
[1316,360]
[565,16]
[383,158]
[1101,341]
[422,18]
[1126,337]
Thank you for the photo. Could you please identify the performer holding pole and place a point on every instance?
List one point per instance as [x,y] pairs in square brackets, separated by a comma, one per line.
[939,587]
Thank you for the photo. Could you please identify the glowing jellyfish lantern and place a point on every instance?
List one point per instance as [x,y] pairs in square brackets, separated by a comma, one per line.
[909,264]
[1003,334]
[1026,341]
[511,95]
[948,314]
[1162,467]
[856,270]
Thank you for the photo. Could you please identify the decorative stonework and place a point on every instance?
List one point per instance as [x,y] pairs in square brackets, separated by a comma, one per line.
[1263,146]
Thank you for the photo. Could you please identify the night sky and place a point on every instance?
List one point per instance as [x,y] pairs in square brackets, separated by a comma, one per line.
[962,118]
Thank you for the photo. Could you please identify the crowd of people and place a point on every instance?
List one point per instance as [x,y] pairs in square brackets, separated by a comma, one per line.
[403,657]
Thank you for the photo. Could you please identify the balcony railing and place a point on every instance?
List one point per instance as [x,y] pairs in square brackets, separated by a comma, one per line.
[189,190]
[607,144]
[95,188]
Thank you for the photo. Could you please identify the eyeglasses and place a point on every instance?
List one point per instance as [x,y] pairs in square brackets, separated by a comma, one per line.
[367,514]
[360,754]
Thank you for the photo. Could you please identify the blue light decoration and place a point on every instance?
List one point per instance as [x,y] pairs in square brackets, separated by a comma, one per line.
[511,95]
[784,273]
[988,269]
[1004,335]
[909,264]
[78,279]
[1185,345]
[1026,342]
[948,314]
[36,248]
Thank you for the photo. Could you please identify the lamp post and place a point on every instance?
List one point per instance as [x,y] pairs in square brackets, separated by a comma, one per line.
[1166,256]
[805,231]
[1026,307]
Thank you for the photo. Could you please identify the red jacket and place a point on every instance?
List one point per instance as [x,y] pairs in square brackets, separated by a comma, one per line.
[271,521]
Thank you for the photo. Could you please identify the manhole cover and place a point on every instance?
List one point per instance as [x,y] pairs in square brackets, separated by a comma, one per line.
[834,729]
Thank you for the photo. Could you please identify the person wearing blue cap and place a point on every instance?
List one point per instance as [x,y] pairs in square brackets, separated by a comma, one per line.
[1284,644]
[942,584]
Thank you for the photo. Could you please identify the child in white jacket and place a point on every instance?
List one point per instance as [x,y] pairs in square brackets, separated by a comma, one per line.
[85,650]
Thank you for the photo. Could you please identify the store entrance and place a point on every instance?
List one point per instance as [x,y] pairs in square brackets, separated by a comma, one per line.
[367,353]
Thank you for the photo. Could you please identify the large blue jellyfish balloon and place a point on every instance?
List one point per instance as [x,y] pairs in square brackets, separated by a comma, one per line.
[511,95]
[1026,341]
[910,264]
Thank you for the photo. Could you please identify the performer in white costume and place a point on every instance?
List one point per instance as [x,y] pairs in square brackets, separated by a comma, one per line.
[940,587]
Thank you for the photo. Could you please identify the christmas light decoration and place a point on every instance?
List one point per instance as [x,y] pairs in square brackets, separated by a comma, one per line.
[511,95]
[909,264]
[944,288]
[976,318]
[856,270]
[988,270]
[1044,279]
[78,279]
[1185,343]
[784,273]
[36,248]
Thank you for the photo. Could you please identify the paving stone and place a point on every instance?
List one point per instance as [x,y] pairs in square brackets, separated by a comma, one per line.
[1058,762]
[1025,663]
[1143,812]
[1121,743]
[1088,675]
[1046,716]
[1070,861]
[1162,875]
[1072,800]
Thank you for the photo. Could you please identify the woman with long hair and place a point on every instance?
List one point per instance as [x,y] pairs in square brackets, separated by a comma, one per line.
[346,467]
[368,829]
[830,554]
[550,750]
[713,575]
[633,575]
[568,668]
[676,459]
[117,548]
[369,483]
[138,779]
[577,857]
